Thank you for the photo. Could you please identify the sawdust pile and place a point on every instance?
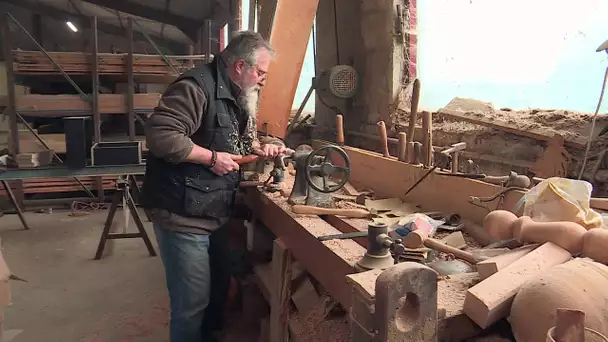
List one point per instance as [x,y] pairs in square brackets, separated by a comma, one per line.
[499,151]
[318,325]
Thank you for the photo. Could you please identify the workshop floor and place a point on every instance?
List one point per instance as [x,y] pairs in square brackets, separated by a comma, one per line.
[71,297]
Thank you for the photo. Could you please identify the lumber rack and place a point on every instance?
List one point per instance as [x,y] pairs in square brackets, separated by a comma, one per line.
[92,64]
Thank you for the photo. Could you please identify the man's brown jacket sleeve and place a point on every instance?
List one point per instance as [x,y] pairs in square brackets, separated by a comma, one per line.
[177,116]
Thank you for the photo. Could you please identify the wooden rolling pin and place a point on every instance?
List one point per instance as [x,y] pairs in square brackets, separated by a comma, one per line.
[594,245]
[503,225]
[340,130]
[567,235]
[383,139]
[310,210]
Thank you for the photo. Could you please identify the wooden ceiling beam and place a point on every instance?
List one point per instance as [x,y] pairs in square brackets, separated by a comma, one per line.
[187,25]
[85,22]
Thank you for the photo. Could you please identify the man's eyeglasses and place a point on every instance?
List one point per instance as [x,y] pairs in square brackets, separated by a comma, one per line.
[261,73]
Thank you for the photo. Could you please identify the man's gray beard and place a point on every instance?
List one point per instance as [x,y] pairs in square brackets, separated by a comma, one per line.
[249,101]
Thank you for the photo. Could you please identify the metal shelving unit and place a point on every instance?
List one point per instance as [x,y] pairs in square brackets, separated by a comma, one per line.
[43,63]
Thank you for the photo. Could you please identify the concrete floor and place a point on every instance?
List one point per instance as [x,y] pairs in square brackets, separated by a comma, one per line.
[71,297]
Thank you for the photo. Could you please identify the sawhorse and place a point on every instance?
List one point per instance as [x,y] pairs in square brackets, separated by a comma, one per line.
[123,194]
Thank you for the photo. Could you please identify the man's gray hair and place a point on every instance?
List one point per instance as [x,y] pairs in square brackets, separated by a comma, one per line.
[245,45]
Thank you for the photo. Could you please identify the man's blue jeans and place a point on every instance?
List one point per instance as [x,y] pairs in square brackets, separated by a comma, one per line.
[188,275]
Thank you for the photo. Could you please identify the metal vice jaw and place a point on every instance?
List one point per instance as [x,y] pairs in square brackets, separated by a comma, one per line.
[403,306]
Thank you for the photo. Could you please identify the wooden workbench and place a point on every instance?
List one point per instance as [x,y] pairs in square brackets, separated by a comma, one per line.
[332,263]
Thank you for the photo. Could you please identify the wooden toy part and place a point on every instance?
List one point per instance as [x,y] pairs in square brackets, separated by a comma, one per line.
[569,326]
[595,245]
[490,300]
[578,284]
[497,224]
[567,235]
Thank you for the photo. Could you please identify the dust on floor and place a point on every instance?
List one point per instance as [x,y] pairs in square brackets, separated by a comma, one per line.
[71,297]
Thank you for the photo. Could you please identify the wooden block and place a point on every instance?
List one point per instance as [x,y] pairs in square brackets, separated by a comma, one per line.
[490,300]
[456,240]
[490,266]
[350,189]
[305,297]
[484,254]
[279,298]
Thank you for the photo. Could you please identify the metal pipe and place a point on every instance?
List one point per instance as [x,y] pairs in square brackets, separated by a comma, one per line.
[67,77]
[162,55]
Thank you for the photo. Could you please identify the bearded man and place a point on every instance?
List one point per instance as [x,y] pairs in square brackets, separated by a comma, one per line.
[203,124]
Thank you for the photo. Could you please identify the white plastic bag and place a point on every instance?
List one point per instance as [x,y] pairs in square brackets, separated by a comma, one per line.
[562,199]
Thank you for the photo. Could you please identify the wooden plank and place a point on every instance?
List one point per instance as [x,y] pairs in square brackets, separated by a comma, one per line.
[264,279]
[391,178]
[77,63]
[503,125]
[48,105]
[291,29]
[490,300]
[279,298]
[328,261]
[490,266]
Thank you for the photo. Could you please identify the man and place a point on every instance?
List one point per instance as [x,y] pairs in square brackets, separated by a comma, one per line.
[203,124]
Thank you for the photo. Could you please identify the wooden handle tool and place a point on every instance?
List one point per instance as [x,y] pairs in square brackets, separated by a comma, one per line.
[340,129]
[383,139]
[417,152]
[442,247]
[402,147]
[310,210]
[427,138]
[411,130]
[248,159]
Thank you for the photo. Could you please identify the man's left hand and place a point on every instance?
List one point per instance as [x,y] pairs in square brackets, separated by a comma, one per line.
[269,150]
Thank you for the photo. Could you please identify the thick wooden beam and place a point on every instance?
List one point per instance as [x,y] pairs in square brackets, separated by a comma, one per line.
[329,262]
[289,36]
[280,297]
[266,10]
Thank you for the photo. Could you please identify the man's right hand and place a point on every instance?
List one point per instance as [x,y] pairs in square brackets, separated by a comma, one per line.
[225,163]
